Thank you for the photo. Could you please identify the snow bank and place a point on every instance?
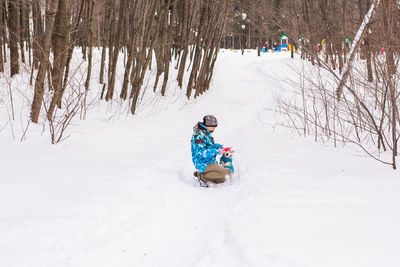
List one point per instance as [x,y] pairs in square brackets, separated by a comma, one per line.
[121,193]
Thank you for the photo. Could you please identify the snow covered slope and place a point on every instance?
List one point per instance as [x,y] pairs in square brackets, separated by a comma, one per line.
[121,193]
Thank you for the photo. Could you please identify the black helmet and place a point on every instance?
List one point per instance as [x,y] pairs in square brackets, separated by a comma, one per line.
[210,121]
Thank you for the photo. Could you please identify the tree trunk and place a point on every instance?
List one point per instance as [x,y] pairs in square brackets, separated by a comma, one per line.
[60,43]
[44,62]
[14,36]
[70,52]
[111,82]
[90,42]
[37,32]
[21,28]
[167,49]
[390,19]
[1,38]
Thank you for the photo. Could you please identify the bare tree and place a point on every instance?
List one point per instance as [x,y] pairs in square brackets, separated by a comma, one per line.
[60,41]
[44,61]
[13,16]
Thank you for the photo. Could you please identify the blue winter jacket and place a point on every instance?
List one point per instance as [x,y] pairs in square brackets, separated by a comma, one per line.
[204,149]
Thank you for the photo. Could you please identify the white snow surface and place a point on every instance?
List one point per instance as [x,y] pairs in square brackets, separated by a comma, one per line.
[121,192]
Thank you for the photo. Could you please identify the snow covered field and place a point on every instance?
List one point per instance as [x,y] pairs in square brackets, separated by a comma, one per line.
[121,193]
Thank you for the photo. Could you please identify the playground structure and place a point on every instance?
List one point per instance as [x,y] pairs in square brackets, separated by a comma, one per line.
[284,46]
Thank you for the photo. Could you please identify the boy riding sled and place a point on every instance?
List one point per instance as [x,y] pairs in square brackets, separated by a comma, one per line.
[205,151]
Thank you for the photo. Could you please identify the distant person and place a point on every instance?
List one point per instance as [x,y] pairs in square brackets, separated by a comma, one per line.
[319,48]
[275,47]
[205,151]
[266,46]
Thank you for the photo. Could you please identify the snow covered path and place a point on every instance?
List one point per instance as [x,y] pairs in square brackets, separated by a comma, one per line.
[122,193]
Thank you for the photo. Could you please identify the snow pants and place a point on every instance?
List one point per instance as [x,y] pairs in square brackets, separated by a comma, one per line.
[215,173]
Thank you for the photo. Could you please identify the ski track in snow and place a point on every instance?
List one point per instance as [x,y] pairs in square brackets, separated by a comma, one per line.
[122,193]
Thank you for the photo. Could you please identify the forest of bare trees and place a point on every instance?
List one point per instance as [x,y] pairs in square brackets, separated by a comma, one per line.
[351,94]
[44,34]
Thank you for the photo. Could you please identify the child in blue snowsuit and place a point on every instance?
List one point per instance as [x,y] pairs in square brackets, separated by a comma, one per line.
[205,151]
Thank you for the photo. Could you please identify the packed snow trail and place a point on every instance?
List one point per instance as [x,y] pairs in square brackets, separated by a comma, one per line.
[122,193]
